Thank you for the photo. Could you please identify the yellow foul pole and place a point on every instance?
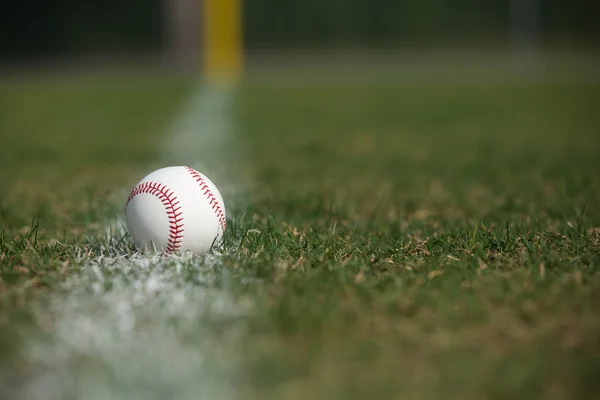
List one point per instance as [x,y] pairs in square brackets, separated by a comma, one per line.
[222,40]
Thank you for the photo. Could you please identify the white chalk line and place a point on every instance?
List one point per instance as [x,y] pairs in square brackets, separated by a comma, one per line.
[130,326]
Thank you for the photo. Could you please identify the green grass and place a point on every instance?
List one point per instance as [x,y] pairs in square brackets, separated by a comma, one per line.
[401,240]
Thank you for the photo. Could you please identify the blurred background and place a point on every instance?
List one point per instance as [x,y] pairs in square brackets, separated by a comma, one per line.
[167,32]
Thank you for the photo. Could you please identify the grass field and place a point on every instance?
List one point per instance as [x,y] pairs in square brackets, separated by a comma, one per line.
[385,240]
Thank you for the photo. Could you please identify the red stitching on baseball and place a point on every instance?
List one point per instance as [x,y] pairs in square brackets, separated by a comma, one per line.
[209,196]
[172,207]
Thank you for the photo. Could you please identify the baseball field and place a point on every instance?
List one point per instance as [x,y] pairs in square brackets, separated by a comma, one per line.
[386,238]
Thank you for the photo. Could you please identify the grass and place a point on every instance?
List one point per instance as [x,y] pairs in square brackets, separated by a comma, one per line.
[403,240]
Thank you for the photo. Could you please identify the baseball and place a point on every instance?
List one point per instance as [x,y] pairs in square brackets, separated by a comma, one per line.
[174,210]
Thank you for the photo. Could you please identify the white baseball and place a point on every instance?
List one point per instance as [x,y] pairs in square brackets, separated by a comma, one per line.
[176,209]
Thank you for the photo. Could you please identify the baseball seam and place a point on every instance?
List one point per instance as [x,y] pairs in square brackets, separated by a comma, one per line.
[172,208]
[212,200]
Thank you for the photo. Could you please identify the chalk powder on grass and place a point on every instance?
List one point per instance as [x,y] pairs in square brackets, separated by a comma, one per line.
[130,326]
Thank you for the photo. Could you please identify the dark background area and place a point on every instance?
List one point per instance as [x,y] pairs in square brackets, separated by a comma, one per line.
[39,28]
